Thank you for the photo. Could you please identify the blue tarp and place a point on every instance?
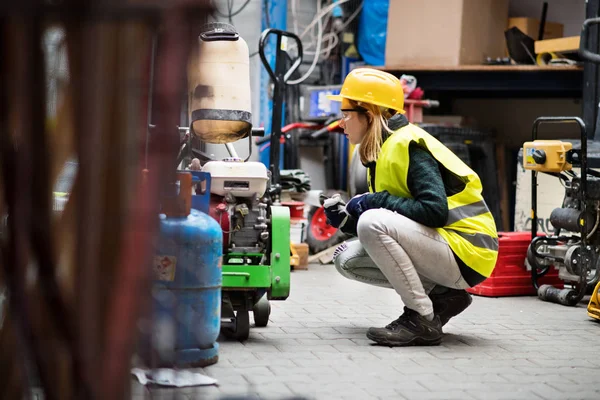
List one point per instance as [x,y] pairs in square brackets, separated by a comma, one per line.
[372,31]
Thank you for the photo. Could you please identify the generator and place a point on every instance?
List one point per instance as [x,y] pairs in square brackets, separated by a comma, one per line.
[574,246]
[244,195]
[256,243]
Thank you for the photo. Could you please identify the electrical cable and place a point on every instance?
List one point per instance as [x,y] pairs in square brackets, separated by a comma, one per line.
[230,13]
[321,14]
[331,36]
[316,58]
[294,17]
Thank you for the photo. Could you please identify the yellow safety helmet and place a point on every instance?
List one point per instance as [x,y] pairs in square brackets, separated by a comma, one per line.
[373,86]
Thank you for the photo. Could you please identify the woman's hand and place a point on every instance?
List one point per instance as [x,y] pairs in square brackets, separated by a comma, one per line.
[357,205]
[335,211]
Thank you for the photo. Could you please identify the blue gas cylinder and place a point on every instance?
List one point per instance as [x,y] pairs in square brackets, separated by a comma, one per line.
[187,290]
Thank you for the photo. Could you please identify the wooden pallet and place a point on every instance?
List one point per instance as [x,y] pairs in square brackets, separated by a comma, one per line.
[324,257]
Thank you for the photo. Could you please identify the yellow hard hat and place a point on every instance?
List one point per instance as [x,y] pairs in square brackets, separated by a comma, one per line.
[372,86]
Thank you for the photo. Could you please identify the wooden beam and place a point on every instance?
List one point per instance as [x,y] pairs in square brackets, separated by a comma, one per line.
[560,45]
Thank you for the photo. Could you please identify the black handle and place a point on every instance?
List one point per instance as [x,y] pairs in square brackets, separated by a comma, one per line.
[321,132]
[261,51]
[325,130]
[583,41]
[263,140]
[214,36]
[539,156]
[583,159]
[560,120]
[260,132]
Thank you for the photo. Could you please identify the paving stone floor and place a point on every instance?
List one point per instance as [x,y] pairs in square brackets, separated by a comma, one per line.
[315,348]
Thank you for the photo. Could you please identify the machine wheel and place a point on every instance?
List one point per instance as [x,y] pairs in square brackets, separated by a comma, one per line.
[242,327]
[320,235]
[262,311]
[541,265]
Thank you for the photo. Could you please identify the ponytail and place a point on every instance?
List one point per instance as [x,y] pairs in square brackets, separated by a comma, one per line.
[373,139]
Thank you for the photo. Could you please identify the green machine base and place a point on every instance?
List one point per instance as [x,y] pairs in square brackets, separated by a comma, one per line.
[249,286]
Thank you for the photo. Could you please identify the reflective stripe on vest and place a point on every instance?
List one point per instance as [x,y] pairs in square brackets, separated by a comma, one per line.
[466,211]
[470,229]
[480,240]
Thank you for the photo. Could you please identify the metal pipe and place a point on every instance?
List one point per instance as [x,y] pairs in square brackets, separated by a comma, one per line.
[231,150]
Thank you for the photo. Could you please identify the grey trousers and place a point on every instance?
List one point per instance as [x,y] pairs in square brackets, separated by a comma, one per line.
[396,252]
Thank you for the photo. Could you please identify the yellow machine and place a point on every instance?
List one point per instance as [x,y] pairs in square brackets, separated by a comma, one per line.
[574,246]
[593,308]
[547,155]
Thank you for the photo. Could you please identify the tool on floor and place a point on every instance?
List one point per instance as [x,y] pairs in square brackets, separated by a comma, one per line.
[593,308]
[244,194]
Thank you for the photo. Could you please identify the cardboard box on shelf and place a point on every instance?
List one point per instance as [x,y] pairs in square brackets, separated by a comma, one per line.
[445,32]
[531,27]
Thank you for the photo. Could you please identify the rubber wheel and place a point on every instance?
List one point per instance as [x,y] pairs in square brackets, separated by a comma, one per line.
[242,327]
[319,234]
[262,311]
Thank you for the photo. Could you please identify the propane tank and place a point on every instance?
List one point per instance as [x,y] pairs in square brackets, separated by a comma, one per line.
[219,91]
[187,283]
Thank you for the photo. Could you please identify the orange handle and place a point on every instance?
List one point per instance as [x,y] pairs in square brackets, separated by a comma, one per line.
[181,204]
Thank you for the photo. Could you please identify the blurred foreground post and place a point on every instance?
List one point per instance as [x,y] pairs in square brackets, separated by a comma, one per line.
[73,284]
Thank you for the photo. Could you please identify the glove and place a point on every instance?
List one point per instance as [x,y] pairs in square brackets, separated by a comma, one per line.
[342,247]
[335,211]
[357,205]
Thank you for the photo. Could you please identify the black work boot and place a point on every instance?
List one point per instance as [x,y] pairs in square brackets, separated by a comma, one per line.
[411,329]
[449,303]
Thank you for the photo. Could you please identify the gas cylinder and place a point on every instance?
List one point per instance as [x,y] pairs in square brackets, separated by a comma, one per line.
[219,91]
[187,284]
[218,210]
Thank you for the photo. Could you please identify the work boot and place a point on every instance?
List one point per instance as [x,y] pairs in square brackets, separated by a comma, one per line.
[450,303]
[411,329]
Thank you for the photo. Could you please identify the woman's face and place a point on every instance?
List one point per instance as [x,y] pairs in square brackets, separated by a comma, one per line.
[355,124]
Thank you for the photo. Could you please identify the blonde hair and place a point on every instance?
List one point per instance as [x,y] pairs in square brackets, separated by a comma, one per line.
[377,123]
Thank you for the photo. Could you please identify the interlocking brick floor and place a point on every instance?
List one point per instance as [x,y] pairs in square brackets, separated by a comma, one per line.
[315,348]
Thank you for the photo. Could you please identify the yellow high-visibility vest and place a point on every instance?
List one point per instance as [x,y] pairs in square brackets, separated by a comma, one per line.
[470,229]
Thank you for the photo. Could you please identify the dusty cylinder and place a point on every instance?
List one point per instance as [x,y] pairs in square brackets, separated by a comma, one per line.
[219,85]
[571,220]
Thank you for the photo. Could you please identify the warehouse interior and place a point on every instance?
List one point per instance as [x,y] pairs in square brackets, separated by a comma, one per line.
[187,210]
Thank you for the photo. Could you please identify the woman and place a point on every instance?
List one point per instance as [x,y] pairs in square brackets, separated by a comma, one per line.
[423,228]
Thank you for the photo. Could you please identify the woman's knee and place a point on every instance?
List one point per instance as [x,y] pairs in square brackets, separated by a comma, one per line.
[371,222]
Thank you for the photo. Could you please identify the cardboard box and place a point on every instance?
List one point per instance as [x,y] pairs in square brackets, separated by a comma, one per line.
[445,32]
[531,27]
